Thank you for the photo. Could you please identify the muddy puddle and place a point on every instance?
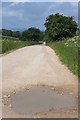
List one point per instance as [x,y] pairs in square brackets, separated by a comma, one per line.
[41,99]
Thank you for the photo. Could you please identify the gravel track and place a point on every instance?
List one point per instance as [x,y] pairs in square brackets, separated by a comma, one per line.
[36,65]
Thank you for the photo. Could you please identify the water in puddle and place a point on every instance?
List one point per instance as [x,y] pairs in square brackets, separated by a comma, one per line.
[41,99]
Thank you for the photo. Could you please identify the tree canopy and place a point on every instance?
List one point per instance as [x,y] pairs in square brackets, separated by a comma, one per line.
[32,34]
[10,33]
[6,32]
[60,26]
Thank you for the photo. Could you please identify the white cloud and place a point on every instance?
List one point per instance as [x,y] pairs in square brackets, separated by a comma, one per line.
[13,13]
[14,3]
[10,13]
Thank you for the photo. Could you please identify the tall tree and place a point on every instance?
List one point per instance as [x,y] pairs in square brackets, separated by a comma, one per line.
[32,34]
[59,26]
[16,34]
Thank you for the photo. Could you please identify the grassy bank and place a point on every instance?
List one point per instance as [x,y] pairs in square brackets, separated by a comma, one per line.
[7,45]
[67,50]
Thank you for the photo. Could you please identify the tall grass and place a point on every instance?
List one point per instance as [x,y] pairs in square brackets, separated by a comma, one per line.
[8,45]
[11,44]
[67,50]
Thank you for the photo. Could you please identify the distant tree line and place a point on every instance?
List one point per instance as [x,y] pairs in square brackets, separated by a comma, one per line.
[32,34]
[10,33]
[57,27]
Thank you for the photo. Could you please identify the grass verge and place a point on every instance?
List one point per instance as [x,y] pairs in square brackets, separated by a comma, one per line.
[67,50]
[7,45]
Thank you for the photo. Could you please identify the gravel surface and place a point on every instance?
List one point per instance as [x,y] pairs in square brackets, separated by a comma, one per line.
[36,65]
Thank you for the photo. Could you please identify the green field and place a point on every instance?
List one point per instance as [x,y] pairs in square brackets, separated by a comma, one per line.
[67,50]
[6,45]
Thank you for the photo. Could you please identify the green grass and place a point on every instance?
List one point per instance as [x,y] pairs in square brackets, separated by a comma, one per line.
[67,50]
[6,45]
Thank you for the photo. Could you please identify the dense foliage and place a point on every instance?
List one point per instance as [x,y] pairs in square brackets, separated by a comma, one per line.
[10,33]
[59,26]
[32,34]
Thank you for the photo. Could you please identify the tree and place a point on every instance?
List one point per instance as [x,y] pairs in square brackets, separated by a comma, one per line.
[32,34]
[59,26]
[1,32]
[10,33]
[6,32]
[16,34]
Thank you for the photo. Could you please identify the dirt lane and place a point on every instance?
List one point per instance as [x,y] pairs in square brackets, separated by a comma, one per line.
[0,88]
[34,66]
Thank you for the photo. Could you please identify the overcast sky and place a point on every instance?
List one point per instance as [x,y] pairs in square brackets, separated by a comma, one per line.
[23,15]
[40,0]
